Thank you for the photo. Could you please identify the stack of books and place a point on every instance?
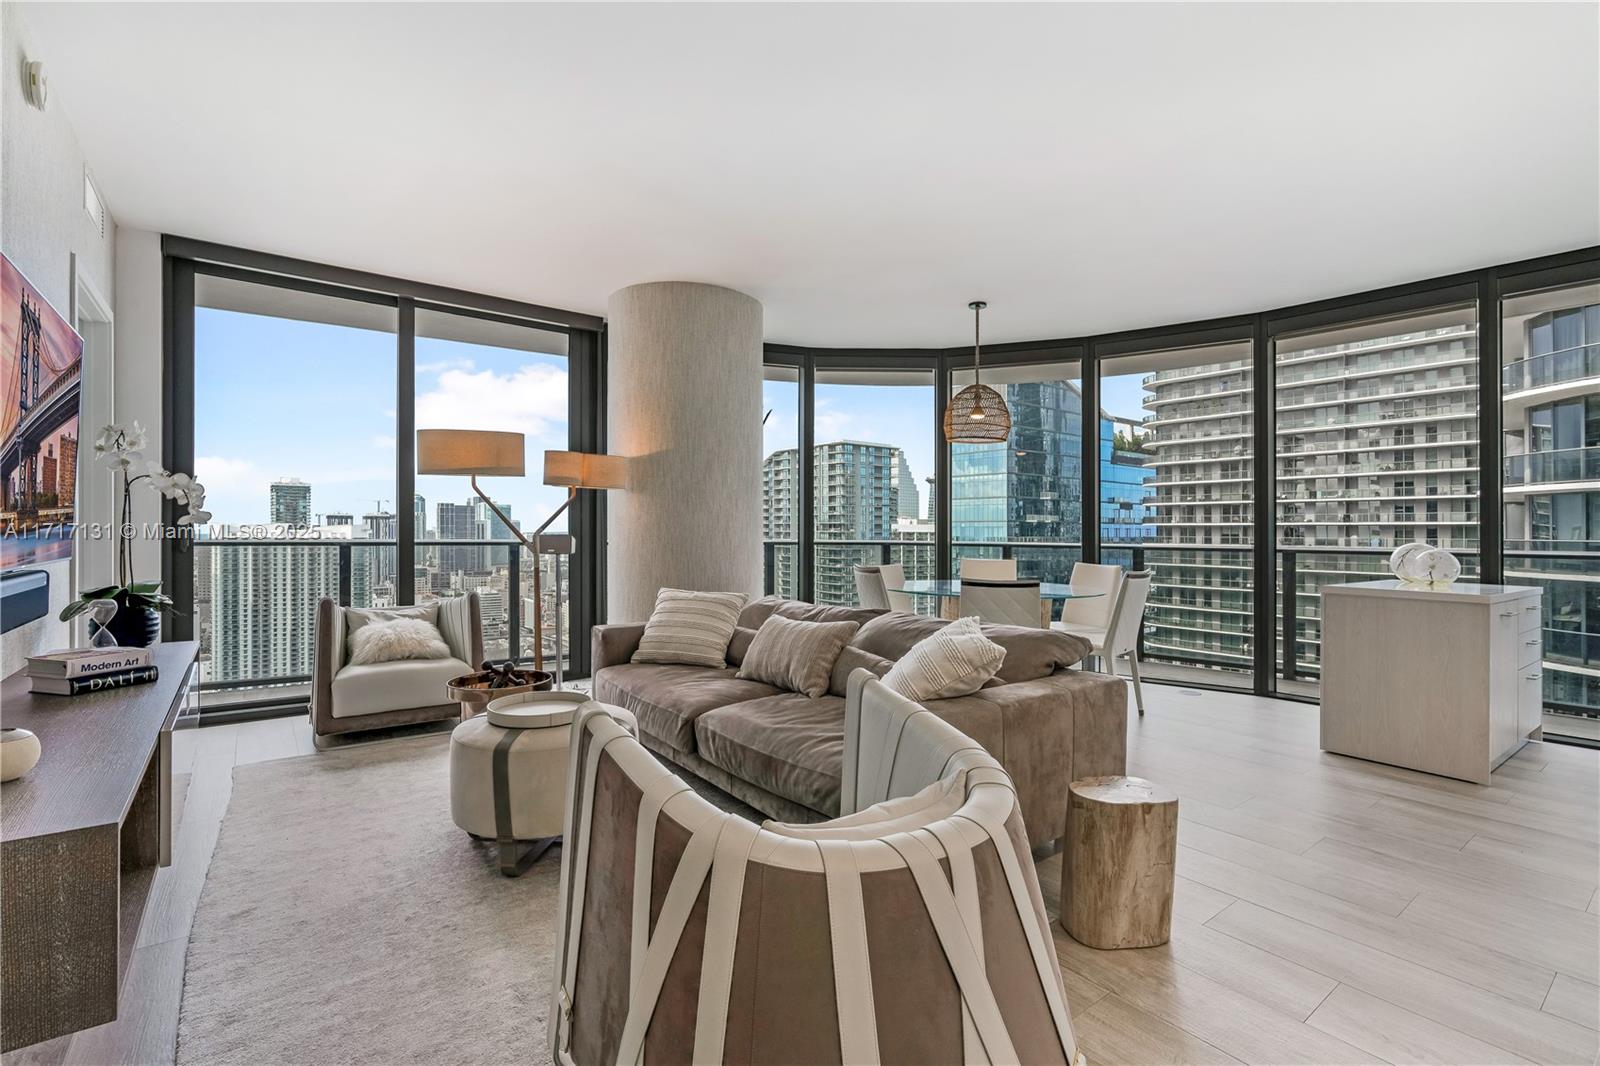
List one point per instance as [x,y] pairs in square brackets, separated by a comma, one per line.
[79,670]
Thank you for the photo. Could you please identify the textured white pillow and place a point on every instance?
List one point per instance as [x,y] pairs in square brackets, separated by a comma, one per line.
[955,661]
[398,638]
[690,627]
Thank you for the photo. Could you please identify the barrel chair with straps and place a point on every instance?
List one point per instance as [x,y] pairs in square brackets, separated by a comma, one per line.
[910,929]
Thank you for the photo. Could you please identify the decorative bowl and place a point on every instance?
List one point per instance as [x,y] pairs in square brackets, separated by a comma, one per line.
[19,752]
[472,691]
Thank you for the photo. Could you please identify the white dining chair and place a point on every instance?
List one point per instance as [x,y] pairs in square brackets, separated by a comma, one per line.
[1121,635]
[989,569]
[1005,603]
[1092,610]
[875,587]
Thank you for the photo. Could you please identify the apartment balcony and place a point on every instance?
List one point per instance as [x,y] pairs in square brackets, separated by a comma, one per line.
[1377,442]
[1570,468]
[1287,401]
[1289,375]
[1551,376]
[1398,415]
[256,601]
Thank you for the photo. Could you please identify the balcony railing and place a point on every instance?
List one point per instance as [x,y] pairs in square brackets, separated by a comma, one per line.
[1558,465]
[255,604]
[1552,368]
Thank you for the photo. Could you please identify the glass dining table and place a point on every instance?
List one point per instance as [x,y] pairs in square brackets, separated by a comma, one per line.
[948,591]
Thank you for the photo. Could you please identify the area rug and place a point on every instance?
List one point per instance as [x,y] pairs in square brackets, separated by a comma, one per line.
[345,919]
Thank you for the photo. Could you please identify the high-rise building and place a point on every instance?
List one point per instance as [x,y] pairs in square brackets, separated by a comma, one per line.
[908,500]
[459,521]
[290,503]
[1551,391]
[67,472]
[855,499]
[380,526]
[263,601]
[419,516]
[780,504]
[48,482]
[338,518]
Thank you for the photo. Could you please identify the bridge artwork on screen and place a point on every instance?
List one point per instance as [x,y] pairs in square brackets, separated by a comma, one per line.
[41,366]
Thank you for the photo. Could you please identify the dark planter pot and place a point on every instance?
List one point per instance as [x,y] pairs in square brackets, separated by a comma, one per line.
[132,627]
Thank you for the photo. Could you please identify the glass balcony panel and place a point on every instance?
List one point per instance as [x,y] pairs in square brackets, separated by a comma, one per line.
[1550,388]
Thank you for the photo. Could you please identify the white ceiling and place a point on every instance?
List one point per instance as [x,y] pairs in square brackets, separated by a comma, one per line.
[864,171]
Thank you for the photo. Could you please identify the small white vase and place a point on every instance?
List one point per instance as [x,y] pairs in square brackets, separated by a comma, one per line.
[19,751]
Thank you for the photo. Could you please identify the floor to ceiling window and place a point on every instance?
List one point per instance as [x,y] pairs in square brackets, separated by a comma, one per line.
[1550,411]
[294,439]
[872,460]
[1178,422]
[1377,446]
[308,383]
[480,373]
[780,480]
[1023,499]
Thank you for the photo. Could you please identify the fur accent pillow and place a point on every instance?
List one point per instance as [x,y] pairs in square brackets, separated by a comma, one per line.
[955,661]
[395,639]
[796,655]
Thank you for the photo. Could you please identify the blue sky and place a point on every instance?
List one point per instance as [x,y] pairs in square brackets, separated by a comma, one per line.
[281,398]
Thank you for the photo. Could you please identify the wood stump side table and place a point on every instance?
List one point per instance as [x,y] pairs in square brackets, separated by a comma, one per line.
[1117,862]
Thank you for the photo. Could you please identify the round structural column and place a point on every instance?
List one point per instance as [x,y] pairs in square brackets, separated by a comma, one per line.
[683,380]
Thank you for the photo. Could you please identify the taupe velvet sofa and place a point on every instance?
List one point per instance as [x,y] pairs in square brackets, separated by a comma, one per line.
[783,753]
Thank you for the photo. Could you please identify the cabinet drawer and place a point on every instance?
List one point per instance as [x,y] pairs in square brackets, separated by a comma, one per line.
[1530,700]
[1532,616]
[1530,649]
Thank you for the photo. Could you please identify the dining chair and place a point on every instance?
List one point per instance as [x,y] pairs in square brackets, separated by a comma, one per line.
[1102,578]
[875,587]
[1006,603]
[989,569]
[1121,635]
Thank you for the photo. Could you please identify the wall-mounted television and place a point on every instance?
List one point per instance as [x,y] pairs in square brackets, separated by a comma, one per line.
[41,370]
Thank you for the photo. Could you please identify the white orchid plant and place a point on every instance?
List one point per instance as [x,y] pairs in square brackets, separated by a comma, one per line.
[122,448]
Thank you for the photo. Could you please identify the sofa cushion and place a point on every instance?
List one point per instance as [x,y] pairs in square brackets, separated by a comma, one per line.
[827,612]
[739,646]
[691,628]
[795,655]
[757,611]
[1030,653]
[849,661]
[396,686]
[787,744]
[668,698]
[953,661]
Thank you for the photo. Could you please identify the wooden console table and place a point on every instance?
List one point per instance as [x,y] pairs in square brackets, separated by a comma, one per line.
[81,837]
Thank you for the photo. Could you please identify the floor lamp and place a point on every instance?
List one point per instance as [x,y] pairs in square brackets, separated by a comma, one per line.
[476,453]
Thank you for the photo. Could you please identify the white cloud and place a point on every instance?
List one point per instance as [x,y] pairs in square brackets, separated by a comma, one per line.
[217,472]
[530,400]
[383,442]
[439,365]
[831,424]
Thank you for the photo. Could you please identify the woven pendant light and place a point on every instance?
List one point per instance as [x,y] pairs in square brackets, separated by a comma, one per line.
[977,414]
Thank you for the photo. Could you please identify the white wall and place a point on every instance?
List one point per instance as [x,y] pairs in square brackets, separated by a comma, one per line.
[42,226]
[138,302]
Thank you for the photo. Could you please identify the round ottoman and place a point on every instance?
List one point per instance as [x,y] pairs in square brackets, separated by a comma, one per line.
[508,774]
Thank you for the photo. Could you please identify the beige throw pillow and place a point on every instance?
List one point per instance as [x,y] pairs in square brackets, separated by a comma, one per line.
[795,655]
[955,661]
[395,639]
[692,628]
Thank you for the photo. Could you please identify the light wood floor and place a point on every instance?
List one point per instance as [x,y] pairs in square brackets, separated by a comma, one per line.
[1327,911]
[1330,910]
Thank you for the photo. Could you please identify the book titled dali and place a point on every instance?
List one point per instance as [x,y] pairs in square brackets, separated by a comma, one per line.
[75,686]
[87,662]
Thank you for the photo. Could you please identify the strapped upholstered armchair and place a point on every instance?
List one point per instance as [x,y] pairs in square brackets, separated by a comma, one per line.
[347,698]
[909,929]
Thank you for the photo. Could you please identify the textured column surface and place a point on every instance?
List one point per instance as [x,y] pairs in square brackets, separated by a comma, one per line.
[684,405]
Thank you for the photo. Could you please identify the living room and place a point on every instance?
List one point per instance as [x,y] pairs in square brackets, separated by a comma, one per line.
[800,533]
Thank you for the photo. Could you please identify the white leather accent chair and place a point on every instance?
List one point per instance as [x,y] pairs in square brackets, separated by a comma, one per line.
[989,569]
[691,934]
[1120,635]
[347,699]
[1093,611]
[1005,603]
[875,587]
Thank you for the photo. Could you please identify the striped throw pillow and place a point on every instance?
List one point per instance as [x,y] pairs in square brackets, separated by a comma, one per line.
[692,628]
[955,661]
[796,655]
